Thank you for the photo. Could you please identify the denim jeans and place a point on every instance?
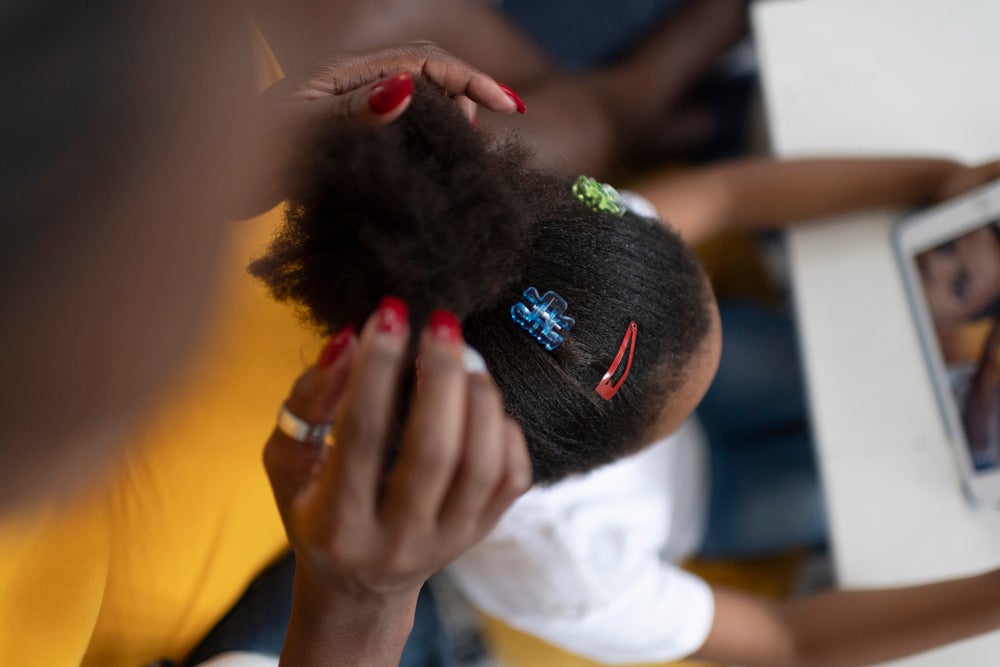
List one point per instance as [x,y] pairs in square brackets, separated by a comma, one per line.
[765,494]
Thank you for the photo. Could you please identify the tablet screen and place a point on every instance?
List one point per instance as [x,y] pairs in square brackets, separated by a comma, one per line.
[960,281]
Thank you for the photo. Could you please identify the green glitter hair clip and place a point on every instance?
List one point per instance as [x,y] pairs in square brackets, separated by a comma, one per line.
[598,196]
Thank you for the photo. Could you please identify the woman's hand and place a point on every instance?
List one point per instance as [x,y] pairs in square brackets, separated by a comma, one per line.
[964,178]
[332,77]
[368,88]
[365,539]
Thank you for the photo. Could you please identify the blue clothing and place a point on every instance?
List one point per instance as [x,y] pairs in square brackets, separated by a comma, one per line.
[257,623]
[580,34]
[766,495]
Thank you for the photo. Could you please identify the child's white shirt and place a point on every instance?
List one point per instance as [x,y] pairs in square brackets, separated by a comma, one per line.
[589,564]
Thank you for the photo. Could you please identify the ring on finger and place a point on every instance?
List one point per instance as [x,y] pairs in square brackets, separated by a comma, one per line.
[299,429]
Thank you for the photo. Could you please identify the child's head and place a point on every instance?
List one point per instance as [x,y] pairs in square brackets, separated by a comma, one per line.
[426,209]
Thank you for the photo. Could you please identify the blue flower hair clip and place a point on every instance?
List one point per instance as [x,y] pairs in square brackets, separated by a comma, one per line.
[599,197]
[543,317]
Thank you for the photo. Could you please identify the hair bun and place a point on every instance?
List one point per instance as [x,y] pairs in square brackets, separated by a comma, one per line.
[422,208]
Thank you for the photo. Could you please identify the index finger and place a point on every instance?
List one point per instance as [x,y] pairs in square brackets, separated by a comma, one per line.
[457,77]
[366,414]
[346,71]
[432,438]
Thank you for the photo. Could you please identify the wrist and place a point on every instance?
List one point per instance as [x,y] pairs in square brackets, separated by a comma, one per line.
[335,604]
[336,626]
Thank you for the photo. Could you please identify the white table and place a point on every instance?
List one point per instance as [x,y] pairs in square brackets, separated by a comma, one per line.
[850,77]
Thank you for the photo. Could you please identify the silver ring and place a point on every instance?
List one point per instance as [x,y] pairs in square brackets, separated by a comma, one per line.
[299,429]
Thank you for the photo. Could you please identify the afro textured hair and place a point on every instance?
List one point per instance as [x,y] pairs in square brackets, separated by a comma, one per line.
[430,210]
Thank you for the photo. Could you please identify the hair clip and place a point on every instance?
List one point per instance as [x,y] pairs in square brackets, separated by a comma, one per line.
[604,388]
[600,197]
[543,317]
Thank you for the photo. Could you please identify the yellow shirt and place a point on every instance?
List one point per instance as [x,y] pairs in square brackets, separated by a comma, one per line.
[143,565]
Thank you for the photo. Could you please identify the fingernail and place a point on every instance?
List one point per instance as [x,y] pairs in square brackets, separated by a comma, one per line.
[392,315]
[475,121]
[514,96]
[390,92]
[445,327]
[473,361]
[335,347]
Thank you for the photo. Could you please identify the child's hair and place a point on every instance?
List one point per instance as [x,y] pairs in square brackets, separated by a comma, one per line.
[429,210]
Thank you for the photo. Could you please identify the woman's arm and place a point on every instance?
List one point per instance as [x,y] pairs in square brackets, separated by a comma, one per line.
[845,628]
[765,193]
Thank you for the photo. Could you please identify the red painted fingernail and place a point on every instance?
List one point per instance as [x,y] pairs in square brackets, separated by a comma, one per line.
[392,315]
[335,347]
[390,92]
[514,96]
[445,327]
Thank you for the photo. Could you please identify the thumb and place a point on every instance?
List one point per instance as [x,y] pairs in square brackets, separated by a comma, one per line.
[378,104]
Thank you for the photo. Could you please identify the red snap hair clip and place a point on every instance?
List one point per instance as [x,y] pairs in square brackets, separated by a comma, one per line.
[604,388]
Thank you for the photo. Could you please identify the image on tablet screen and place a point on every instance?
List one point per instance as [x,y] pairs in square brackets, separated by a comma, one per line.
[961,285]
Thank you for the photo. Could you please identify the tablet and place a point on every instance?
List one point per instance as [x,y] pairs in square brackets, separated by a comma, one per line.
[950,260]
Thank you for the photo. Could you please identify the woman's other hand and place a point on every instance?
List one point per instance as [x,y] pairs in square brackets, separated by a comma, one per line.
[365,539]
[367,88]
